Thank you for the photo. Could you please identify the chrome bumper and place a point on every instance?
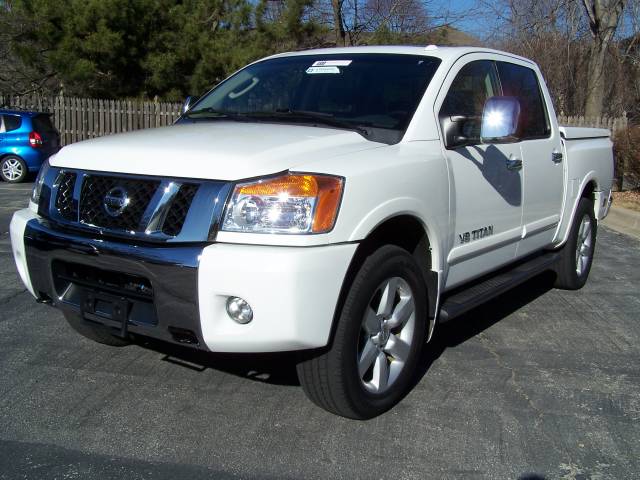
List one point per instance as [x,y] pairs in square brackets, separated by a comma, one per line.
[150,290]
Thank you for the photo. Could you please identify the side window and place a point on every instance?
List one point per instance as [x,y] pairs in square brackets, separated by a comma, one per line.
[473,85]
[11,122]
[522,82]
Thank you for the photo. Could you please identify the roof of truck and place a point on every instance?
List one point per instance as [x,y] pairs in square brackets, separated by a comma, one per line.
[444,53]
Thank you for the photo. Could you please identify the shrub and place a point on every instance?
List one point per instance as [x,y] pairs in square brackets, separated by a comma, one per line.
[627,153]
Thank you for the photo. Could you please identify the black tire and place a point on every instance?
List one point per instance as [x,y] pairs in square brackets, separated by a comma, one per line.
[572,272]
[331,379]
[19,168]
[97,333]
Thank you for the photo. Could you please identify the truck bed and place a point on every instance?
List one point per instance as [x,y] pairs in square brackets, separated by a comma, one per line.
[576,133]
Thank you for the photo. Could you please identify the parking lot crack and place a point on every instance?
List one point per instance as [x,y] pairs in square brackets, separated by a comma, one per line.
[512,378]
[7,299]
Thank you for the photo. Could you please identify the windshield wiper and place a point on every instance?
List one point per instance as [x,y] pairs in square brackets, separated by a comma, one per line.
[207,112]
[281,114]
[326,119]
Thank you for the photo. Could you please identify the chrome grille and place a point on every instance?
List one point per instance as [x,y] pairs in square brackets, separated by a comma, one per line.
[64,202]
[148,208]
[92,199]
[178,211]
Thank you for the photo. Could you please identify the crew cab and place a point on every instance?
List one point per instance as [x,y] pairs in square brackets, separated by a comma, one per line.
[338,203]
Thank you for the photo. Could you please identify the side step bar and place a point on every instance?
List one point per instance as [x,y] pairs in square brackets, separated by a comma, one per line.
[463,299]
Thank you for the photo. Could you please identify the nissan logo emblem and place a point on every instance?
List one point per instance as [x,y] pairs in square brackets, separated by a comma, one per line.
[115,201]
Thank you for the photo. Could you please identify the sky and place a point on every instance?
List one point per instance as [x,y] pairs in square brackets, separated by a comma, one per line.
[462,10]
[481,26]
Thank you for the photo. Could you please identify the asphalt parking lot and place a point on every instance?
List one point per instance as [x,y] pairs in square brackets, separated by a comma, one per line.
[537,384]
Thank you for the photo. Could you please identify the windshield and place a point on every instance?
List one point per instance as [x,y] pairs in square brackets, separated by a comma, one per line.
[373,94]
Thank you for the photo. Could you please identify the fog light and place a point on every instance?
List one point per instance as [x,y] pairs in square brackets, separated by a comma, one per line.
[239,310]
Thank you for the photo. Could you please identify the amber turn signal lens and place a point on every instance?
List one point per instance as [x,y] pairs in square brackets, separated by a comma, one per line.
[292,185]
[329,195]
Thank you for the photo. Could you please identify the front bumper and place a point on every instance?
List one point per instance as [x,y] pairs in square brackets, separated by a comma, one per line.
[293,290]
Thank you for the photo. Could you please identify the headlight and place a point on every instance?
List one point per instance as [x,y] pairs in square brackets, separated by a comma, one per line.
[292,203]
[37,186]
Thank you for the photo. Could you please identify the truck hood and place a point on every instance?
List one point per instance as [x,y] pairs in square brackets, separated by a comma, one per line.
[220,150]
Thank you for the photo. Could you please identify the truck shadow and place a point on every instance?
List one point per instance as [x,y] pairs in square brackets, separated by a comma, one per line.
[492,164]
[279,368]
[474,322]
[273,368]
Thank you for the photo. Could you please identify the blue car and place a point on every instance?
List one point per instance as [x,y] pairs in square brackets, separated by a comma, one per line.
[27,139]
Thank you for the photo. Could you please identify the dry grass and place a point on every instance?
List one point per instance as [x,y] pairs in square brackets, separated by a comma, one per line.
[629,199]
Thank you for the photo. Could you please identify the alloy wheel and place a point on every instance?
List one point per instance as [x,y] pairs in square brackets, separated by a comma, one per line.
[12,169]
[386,335]
[583,245]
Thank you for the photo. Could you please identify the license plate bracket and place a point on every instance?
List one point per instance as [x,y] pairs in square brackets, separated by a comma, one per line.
[110,310]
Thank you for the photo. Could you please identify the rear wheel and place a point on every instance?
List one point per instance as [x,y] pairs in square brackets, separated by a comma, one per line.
[13,169]
[377,342]
[97,333]
[576,257]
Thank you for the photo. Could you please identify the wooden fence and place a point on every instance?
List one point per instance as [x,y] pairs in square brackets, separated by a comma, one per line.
[615,124]
[81,118]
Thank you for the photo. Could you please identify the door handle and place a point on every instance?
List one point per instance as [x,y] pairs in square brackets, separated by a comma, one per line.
[514,164]
[556,157]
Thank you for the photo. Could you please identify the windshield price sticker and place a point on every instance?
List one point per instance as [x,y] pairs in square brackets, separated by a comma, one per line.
[332,63]
[330,69]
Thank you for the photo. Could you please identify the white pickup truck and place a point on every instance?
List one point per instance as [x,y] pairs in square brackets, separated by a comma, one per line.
[336,202]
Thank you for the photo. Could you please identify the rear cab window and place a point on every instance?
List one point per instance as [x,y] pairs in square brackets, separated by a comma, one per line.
[522,83]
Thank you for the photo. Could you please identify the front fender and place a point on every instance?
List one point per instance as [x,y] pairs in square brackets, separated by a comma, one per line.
[396,207]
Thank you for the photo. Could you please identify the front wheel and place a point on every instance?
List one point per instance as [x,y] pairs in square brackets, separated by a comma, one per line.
[576,256]
[377,342]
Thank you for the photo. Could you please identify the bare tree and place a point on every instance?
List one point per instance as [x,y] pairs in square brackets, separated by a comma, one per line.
[354,22]
[398,16]
[18,75]
[603,16]
[338,22]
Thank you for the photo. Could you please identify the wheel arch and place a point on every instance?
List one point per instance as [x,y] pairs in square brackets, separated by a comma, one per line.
[587,189]
[11,154]
[406,231]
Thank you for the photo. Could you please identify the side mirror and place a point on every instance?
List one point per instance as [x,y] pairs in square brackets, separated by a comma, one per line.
[187,104]
[500,120]
[460,130]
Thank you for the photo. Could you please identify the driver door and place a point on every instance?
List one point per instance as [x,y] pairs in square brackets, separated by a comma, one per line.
[486,180]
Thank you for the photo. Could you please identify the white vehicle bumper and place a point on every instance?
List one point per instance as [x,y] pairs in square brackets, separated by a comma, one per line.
[16,231]
[293,291]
